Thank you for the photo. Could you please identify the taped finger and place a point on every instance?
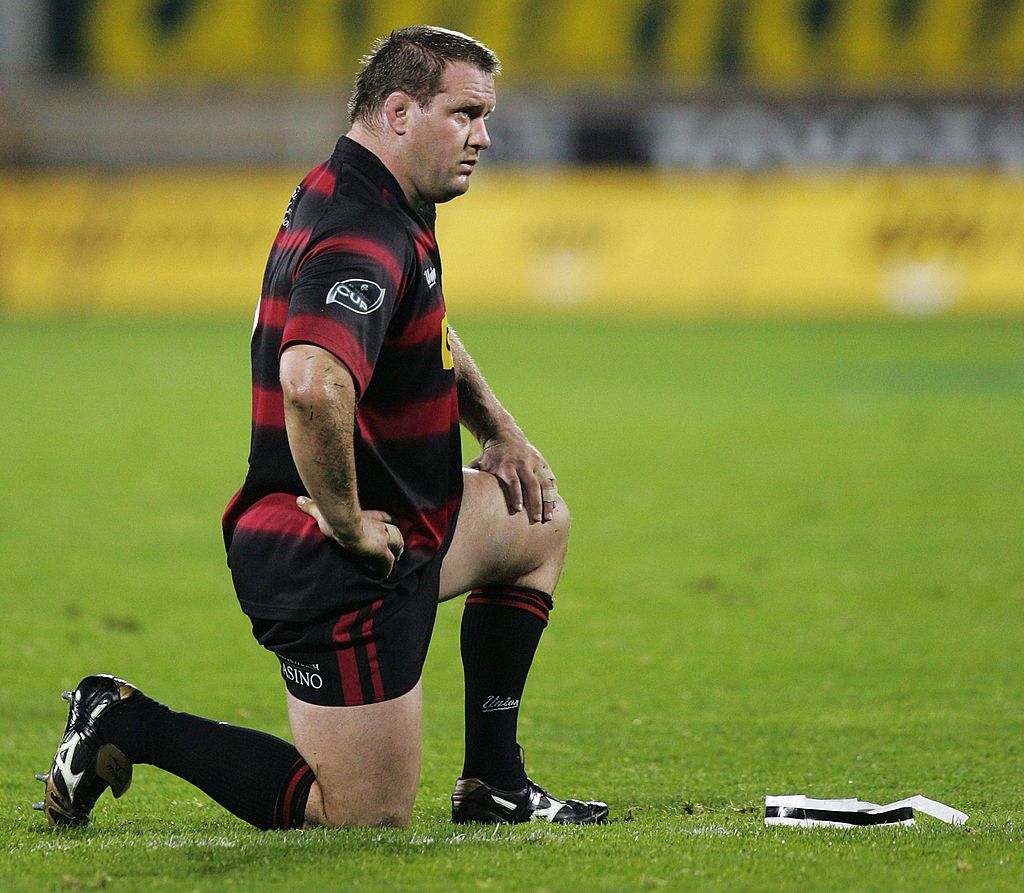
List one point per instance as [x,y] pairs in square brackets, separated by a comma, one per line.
[395,541]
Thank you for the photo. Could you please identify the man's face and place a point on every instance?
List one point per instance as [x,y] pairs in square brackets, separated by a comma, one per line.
[444,140]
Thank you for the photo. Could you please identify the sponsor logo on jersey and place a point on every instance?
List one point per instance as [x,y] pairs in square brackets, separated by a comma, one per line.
[430,277]
[447,362]
[287,221]
[358,295]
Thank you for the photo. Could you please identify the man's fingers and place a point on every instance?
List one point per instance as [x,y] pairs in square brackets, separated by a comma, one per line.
[536,491]
[509,481]
[548,491]
[309,506]
[539,491]
[548,484]
[532,495]
[396,542]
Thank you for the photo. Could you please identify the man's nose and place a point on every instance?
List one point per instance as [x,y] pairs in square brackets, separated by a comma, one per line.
[478,136]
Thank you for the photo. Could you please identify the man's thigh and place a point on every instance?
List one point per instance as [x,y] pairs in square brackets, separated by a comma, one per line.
[491,545]
[366,759]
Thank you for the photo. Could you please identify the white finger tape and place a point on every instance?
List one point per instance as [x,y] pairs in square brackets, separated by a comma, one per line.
[549,494]
[800,811]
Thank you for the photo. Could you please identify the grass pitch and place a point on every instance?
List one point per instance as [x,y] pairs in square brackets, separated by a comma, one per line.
[797,566]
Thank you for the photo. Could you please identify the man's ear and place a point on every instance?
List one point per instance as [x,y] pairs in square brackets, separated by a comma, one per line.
[396,111]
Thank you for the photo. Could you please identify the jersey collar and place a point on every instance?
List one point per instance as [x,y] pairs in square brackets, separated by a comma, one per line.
[348,151]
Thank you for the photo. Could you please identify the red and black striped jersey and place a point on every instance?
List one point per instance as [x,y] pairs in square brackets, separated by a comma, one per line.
[355,270]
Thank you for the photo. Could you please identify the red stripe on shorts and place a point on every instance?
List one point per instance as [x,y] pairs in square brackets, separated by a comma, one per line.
[348,668]
[371,652]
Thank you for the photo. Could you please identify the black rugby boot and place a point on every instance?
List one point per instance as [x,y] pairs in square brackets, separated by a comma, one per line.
[476,801]
[84,767]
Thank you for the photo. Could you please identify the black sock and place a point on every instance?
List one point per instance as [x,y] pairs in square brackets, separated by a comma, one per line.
[256,776]
[501,626]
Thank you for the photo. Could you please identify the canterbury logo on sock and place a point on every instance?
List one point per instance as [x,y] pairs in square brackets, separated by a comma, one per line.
[493,703]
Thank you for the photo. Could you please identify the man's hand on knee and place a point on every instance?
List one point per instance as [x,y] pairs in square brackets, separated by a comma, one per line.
[526,478]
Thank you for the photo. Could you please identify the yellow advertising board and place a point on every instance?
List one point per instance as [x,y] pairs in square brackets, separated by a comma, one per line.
[930,43]
[619,242]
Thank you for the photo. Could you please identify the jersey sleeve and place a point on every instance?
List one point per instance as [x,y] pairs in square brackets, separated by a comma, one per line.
[346,289]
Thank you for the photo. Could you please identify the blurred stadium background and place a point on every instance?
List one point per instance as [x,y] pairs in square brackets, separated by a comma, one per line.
[666,157]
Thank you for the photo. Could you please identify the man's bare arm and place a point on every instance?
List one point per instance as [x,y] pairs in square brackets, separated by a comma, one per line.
[319,412]
[506,453]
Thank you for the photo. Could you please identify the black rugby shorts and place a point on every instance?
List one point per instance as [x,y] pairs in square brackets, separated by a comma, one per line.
[345,639]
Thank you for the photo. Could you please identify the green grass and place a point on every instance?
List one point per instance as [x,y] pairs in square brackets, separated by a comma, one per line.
[797,566]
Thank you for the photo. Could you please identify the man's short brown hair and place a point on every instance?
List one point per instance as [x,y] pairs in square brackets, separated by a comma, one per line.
[412,60]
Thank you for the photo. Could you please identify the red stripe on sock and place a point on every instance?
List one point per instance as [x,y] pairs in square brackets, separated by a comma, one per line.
[532,605]
[514,592]
[284,807]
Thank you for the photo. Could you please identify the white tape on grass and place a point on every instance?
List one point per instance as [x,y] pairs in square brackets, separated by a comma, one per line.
[801,811]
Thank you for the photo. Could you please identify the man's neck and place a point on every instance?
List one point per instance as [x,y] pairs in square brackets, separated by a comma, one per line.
[372,141]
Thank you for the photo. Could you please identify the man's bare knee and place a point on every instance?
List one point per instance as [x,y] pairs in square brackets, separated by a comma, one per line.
[492,546]
[366,760]
[562,519]
[341,812]
[548,545]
